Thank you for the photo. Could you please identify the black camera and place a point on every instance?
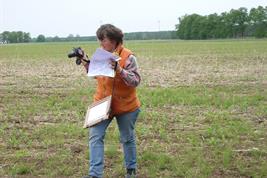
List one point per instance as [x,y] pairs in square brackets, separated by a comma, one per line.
[78,53]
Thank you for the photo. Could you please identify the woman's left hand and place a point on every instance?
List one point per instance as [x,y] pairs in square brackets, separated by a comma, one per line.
[118,67]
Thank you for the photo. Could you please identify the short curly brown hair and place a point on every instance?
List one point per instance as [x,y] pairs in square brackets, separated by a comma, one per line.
[111,32]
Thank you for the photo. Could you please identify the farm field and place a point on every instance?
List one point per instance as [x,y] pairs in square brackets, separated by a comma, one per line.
[204,110]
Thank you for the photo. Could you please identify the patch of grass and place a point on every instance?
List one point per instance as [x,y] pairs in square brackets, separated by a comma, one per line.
[17,138]
[22,153]
[21,170]
[57,135]
[111,151]
[201,95]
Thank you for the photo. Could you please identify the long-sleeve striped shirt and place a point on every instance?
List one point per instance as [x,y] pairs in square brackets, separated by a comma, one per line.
[129,73]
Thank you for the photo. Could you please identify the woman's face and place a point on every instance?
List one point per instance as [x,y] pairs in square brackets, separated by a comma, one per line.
[107,44]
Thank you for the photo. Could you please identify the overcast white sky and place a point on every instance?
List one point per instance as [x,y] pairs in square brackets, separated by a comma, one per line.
[83,17]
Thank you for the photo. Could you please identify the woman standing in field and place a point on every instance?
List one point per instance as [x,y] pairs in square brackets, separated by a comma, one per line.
[124,105]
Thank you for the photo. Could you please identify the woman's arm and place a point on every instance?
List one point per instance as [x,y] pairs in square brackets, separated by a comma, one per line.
[130,73]
[85,61]
[86,66]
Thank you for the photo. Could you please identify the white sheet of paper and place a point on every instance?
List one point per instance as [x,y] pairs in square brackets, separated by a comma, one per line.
[100,63]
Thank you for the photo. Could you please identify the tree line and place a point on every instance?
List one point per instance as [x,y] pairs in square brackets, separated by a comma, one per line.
[237,23]
[24,37]
[6,37]
[15,37]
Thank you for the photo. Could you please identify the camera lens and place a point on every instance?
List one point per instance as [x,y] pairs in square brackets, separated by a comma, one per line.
[78,61]
[72,54]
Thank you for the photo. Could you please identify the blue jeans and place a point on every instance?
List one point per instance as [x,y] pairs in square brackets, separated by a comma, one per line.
[126,124]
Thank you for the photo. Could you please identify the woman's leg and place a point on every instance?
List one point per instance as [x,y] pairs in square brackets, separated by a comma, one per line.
[96,148]
[126,124]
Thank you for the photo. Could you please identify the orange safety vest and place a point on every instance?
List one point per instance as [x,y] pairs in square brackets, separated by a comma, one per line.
[124,97]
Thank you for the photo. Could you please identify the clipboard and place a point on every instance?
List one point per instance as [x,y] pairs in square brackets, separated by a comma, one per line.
[97,112]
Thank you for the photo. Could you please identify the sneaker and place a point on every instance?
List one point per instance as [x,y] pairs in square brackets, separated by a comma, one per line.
[130,173]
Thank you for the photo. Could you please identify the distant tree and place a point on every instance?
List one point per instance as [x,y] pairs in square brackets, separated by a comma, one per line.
[5,35]
[199,27]
[26,37]
[184,27]
[258,20]
[192,27]
[238,21]
[56,39]
[77,37]
[216,26]
[70,37]
[40,38]
[20,37]
[13,37]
